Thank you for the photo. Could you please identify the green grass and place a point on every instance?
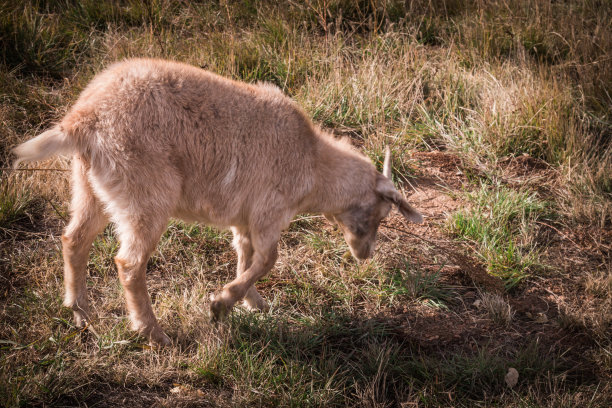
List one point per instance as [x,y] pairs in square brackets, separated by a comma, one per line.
[501,223]
[414,283]
[335,360]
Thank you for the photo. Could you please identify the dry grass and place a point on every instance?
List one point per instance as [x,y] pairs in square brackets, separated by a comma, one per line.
[498,309]
[518,92]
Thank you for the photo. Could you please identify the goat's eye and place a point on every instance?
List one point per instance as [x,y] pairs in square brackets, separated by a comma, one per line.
[360,229]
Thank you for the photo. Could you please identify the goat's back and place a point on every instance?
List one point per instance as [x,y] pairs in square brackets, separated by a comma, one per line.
[228,146]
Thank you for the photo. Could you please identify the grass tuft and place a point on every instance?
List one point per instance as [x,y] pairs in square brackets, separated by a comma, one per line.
[414,283]
[500,222]
[498,308]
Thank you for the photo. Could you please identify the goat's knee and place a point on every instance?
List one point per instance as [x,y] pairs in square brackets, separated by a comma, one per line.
[242,287]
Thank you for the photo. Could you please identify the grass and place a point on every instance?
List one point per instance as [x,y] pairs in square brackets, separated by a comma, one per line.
[517,92]
[295,362]
[498,308]
[501,222]
[413,283]
[13,207]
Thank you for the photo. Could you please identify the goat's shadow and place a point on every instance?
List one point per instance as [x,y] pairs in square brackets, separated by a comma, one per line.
[376,354]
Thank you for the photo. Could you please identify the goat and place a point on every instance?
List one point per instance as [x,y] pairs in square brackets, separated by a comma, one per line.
[153,139]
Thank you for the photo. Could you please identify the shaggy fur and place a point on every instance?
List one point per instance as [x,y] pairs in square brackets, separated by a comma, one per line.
[155,139]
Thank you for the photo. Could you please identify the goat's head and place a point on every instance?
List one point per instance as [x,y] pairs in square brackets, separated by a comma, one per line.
[359,223]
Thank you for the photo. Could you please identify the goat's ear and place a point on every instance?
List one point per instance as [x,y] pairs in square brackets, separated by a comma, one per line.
[385,188]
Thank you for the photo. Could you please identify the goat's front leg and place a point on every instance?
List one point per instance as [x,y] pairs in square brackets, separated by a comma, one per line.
[244,249]
[263,259]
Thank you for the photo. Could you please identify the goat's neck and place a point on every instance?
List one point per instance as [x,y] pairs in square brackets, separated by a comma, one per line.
[342,178]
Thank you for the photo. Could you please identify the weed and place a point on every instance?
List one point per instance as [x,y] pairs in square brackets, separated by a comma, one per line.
[14,206]
[37,43]
[598,283]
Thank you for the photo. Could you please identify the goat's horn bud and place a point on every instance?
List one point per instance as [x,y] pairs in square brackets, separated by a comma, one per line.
[387,165]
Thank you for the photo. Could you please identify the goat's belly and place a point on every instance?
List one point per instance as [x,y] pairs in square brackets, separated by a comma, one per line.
[207,216]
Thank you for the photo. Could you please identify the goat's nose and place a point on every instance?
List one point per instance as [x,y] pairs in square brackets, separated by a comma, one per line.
[364,255]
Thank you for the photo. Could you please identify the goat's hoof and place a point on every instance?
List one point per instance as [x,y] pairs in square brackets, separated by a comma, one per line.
[81,318]
[159,339]
[218,311]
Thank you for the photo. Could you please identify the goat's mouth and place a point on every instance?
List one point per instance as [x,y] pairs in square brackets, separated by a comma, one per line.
[362,253]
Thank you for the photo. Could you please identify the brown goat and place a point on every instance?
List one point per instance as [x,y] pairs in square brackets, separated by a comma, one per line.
[154,139]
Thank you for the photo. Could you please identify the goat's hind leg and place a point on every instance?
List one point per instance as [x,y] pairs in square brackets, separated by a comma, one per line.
[86,221]
[138,236]
[139,195]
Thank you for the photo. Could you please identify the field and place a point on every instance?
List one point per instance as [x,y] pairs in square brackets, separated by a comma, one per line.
[499,116]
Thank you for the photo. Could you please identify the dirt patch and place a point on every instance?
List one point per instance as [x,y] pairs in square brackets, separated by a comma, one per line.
[436,194]
[440,169]
[524,165]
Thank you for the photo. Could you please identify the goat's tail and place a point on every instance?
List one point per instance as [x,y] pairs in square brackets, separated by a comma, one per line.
[50,143]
